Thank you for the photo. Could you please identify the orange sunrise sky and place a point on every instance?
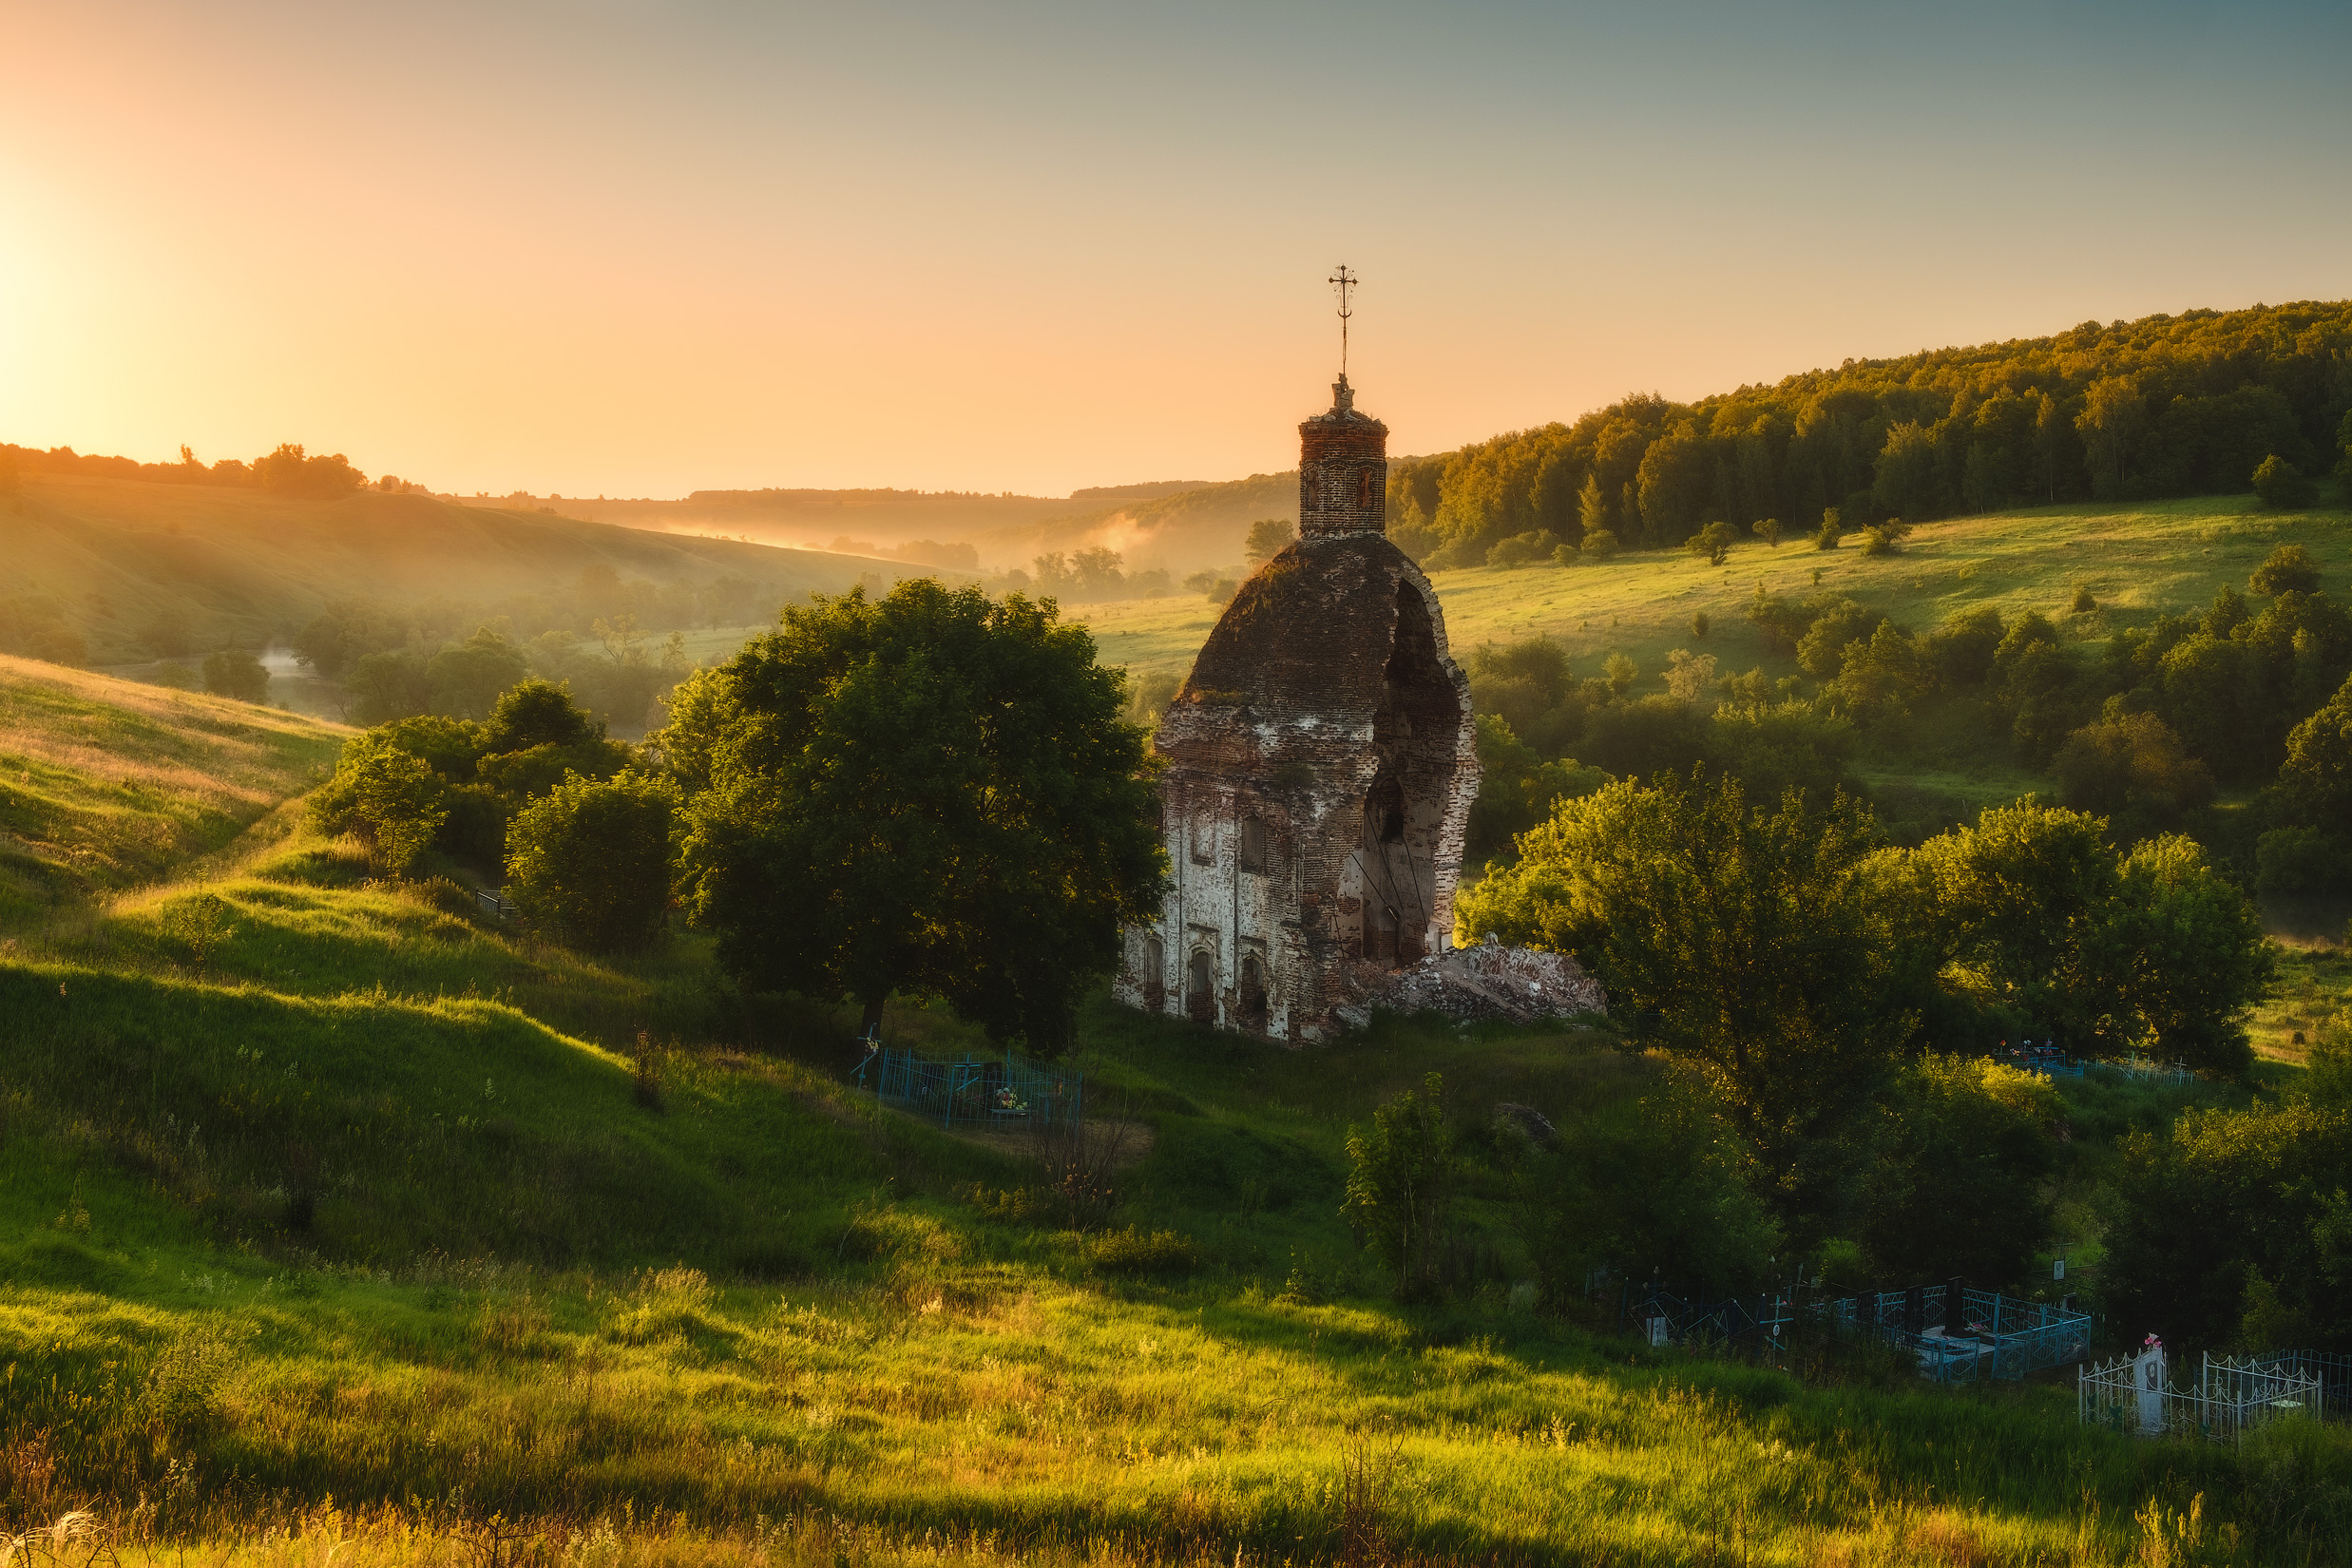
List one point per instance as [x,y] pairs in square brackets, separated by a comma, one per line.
[633,249]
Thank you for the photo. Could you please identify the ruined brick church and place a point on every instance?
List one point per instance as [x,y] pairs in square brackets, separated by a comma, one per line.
[1320,764]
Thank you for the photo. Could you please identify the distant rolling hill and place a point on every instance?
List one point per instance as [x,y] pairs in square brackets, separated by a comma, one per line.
[109,555]
[1180,524]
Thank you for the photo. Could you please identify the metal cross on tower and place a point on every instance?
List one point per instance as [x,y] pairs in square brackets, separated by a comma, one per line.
[1342,280]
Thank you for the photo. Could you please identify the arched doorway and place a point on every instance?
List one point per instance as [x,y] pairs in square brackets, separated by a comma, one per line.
[1253,998]
[1200,989]
[1154,975]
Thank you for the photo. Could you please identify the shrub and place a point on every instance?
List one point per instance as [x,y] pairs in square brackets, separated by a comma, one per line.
[1133,1252]
[2283,487]
[1401,1181]
[2287,569]
[1769,530]
[1599,544]
[2300,862]
[1524,550]
[1826,537]
[2082,603]
[392,804]
[1711,542]
[235,672]
[1699,624]
[592,860]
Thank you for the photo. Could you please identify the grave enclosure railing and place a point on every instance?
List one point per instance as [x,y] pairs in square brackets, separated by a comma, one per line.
[1992,1336]
[969,1090]
[2231,1397]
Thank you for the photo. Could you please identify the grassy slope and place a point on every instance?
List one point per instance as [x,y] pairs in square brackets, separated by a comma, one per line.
[112,553]
[105,783]
[2139,560]
[477,1315]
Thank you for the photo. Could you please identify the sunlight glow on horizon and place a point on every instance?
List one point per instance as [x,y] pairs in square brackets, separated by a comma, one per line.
[626,250]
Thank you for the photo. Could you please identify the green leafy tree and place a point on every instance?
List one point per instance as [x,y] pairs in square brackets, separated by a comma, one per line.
[1592,507]
[396,805]
[1907,480]
[1649,1185]
[388,685]
[291,471]
[469,679]
[235,672]
[1403,1174]
[2192,955]
[2284,486]
[2131,767]
[1758,945]
[592,859]
[1957,1184]
[2024,896]
[1269,536]
[2317,775]
[1768,529]
[1826,537]
[2287,569]
[932,793]
[1712,544]
[1599,544]
[2231,1210]
[1516,787]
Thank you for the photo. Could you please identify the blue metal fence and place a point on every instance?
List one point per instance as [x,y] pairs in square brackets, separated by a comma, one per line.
[1992,1336]
[975,1091]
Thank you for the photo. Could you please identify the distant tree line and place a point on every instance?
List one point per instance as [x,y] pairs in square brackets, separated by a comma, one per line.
[2187,404]
[290,471]
[599,632]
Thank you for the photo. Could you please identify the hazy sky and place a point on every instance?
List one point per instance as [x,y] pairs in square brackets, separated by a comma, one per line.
[636,249]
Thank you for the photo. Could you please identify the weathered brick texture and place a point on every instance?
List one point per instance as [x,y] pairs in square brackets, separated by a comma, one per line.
[1321,763]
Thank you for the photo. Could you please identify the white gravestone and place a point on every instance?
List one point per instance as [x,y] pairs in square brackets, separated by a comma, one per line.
[2147,1377]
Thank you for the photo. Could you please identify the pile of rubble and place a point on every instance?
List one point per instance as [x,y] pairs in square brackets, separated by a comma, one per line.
[1488,981]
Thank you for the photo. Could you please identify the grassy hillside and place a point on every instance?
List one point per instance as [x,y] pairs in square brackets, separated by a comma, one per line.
[110,555]
[105,784]
[353,1236]
[2137,560]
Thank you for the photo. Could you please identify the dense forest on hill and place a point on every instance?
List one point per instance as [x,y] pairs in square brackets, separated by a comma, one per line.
[2166,405]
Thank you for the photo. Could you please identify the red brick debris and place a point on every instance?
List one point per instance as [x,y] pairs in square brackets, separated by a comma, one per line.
[1521,985]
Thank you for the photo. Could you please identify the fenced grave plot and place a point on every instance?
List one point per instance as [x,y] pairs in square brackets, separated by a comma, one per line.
[2332,1368]
[1990,1336]
[975,1091]
[2230,1398]
[1662,1317]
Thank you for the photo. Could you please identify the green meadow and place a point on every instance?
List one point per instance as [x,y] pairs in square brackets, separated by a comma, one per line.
[341,1222]
[2139,559]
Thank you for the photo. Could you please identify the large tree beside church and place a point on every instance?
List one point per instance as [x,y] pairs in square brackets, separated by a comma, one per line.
[932,793]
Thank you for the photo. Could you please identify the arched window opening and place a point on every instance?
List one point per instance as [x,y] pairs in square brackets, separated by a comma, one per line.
[1154,974]
[1203,836]
[1253,994]
[1363,489]
[1252,850]
[1383,811]
[1200,990]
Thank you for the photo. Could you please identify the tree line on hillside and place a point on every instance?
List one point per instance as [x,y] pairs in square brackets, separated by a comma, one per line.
[2142,731]
[2167,406]
[290,471]
[596,633]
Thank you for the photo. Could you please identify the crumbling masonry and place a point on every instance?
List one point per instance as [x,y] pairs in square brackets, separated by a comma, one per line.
[1321,763]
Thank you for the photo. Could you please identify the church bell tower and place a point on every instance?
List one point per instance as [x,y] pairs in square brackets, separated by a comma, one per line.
[1342,455]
